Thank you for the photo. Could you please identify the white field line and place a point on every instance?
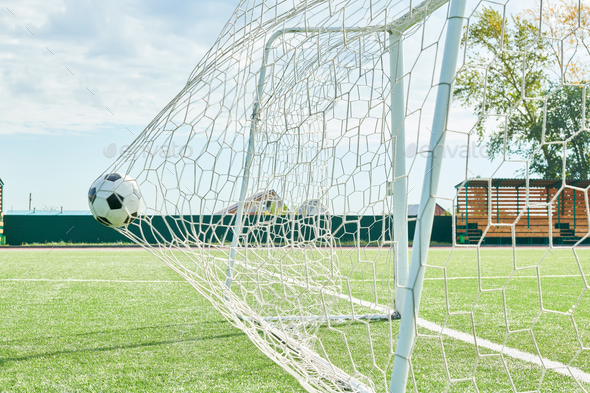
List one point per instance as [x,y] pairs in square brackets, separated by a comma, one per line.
[165,281]
[476,278]
[513,353]
[182,281]
[558,367]
[353,280]
[90,280]
[555,366]
[503,277]
[467,338]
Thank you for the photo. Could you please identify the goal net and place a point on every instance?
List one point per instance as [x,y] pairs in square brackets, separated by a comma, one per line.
[317,140]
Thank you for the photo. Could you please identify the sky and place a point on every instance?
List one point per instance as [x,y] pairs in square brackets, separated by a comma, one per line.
[81,79]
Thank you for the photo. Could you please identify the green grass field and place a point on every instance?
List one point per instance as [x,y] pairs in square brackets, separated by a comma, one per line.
[120,320]
[129,324]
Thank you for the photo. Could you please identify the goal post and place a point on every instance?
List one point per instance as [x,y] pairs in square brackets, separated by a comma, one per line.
[398,115]
[400,189]
[421,244]
[246,318]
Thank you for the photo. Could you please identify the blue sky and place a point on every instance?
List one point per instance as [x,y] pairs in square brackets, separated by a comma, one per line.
[80,77]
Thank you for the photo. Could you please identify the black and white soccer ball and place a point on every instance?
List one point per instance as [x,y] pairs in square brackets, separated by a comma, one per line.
[115,199]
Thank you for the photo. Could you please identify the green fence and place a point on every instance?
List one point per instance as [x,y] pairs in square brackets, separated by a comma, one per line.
[27,229]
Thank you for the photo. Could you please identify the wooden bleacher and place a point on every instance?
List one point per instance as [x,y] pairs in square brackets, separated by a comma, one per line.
[492,208]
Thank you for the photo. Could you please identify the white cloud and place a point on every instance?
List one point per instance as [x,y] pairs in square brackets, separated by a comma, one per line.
[66,62]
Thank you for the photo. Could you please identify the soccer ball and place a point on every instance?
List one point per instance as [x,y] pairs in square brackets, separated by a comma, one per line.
[115,199]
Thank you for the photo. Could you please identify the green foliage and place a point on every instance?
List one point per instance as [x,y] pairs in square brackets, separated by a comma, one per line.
[510,85]
[281,211]
[563,124]
[499,87]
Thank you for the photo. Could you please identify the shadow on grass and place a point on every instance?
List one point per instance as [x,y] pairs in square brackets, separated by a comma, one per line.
[115,347]
[154,327]
[110,331]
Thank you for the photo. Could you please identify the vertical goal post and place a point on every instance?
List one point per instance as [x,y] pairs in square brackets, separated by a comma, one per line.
[421,244]
[399,187]
[399,184]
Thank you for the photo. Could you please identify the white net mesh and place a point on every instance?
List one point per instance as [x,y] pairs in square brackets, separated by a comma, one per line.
[271,192]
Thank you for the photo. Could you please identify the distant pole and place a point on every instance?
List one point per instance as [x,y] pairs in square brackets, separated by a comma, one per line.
[30,200]
[400,187]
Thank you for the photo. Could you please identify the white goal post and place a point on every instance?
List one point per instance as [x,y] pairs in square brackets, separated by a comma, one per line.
[399,188]
[309,129]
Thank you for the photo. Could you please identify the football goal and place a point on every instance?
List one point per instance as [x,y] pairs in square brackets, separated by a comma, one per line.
[306,132]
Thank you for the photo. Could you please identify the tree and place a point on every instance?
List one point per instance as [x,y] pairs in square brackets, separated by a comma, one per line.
[567,22]
[563,123]
[514,85]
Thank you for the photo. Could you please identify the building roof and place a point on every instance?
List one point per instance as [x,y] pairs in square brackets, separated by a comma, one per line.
[308,207]
[414,209]
[48,213]
[254,198]
[533,183]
